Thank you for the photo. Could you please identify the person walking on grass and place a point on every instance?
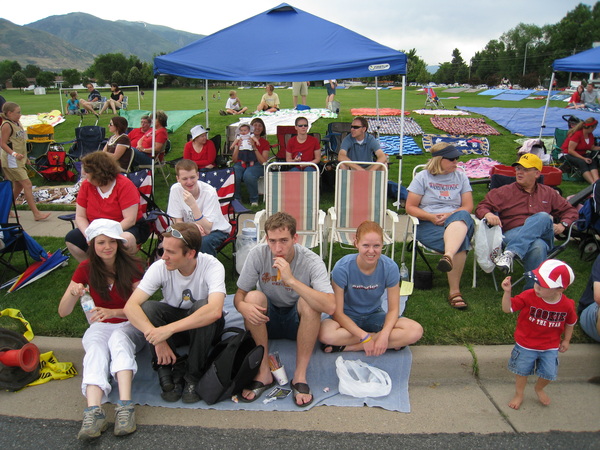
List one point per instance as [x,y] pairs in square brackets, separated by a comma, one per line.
[13,143]
[544,327]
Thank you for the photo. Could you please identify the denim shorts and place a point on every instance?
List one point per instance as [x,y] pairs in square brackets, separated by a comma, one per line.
[525,362]
[432,235]
[283,321]
[588,320]
[373,322]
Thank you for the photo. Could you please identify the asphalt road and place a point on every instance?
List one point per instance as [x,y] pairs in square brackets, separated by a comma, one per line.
[24,434]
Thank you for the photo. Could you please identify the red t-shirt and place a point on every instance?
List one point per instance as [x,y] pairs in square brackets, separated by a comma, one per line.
[161,137]
[205,158]
[541,324]
[123,195]
[82,275]
[583,145]
[135,135]
[307,148]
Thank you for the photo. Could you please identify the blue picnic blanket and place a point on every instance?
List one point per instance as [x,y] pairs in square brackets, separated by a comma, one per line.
[466,144]
[391,145]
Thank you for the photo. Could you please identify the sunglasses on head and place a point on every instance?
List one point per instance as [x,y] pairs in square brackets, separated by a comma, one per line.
[355,127]
[177,235]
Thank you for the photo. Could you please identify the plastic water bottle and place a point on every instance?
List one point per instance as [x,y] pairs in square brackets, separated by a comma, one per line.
[403,272]
[245,242]
[87,304]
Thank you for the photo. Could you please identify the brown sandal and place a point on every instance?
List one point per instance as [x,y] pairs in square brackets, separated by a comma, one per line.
[457,298]
[445,264]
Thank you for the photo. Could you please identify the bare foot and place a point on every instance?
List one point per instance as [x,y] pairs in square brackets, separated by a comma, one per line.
[41,216]
[12,215]
[515,403]
[543,397]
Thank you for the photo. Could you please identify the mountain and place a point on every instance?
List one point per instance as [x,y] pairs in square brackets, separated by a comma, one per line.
[30,46]
[98,36]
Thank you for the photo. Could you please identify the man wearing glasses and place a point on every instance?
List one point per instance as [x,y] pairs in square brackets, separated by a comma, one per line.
[137,133]
[190,312]
[361,146]
[526,210]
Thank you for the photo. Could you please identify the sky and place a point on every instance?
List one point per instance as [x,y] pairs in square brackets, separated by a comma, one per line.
[434,28]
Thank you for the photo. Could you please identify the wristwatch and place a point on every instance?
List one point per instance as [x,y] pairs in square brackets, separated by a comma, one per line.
[564,224]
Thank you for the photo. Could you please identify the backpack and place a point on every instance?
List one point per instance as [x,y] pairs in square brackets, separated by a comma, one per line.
[53,166]
[233,364]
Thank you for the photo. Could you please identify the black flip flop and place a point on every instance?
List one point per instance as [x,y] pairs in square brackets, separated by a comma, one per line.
[301,388]
[258,388]
[334,348]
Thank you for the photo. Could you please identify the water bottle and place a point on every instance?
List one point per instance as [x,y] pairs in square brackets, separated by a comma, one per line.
[87,304]
[403,272]
[244,243]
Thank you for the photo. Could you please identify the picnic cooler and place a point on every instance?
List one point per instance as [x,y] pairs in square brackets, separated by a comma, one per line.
[552,175]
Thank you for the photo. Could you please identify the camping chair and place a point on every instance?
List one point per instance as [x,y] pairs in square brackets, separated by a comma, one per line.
[125,102]
[160,163]
[360,195]
[297,193]
[415,247]
[336,132]
[587,227]
[88,139]
[284,134]
[223,180]
[570,172]
[11,231]
[432,101]
[39,139]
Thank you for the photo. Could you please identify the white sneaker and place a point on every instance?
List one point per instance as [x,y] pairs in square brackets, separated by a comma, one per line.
[94,423]
[505,262]
[124,419]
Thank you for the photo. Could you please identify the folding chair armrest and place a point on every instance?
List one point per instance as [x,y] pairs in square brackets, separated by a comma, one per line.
[259,219]
[10,227]
[392,215]
[331,212]
[321,217]
[413,219]
[68,218]
[238,208]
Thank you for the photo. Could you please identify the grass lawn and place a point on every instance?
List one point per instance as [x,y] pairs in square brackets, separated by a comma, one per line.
[482,323]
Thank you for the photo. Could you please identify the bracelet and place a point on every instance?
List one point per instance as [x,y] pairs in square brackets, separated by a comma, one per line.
[199,218]
[366,339]
[14,154]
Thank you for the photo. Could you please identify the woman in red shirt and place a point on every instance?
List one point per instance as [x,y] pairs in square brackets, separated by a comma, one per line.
[303,147]
[575,101]
[200,149]
[579,141]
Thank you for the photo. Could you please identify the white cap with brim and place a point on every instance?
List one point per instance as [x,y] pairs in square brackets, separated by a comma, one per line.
[552,274]
[107,227]
[198,130]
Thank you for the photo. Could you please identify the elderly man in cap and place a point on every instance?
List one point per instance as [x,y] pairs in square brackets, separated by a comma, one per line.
[529,213]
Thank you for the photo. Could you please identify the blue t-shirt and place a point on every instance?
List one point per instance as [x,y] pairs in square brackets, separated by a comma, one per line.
[364,294]
[361,152]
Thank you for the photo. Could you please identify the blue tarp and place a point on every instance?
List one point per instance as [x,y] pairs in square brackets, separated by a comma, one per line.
[511,97]
[282,44]
[526,121]
[587,61]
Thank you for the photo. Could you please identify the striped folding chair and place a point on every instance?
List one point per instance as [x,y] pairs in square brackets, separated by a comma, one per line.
[296,193]
[360,195]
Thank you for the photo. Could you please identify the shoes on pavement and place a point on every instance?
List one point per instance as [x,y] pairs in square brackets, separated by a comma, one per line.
[124,418]
[94,423]
[189,393]
[165,378]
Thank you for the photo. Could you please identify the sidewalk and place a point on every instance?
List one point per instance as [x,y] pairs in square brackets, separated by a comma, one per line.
[445,398]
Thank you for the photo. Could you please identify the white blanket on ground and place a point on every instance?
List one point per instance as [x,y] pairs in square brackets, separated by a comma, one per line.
[287,117]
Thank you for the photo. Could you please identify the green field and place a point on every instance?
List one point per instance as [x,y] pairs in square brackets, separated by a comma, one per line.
[482,323]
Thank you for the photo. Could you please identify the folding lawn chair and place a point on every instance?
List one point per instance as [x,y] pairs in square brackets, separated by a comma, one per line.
[39,139]
[336,132]
[223,180]
[570,171]
[360,195]
[88,139]
[432,101]
[297,193]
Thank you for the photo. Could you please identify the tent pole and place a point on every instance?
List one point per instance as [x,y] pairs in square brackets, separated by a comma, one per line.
[206,102]
[154,127]
[547,103]
[377,105]
[401,152]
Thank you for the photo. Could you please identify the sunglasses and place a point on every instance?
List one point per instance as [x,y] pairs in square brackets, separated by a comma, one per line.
[302,125]
[451,159]
[177,235]
[355,127]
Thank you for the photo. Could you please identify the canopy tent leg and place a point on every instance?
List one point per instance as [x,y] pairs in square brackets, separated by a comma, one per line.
[547,103]
[401,151]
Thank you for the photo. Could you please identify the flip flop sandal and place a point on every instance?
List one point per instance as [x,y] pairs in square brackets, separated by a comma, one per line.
[444,264]
[334,348]
[258,388]
[301,388]
[457,298]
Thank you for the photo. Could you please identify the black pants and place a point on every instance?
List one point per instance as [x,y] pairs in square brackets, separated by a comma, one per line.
[200,340]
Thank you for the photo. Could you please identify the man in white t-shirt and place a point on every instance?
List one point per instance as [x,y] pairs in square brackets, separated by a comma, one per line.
[194,201]
[190,313]
[293,290]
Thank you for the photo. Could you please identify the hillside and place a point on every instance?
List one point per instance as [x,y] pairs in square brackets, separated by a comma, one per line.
[98,36]
[31,46]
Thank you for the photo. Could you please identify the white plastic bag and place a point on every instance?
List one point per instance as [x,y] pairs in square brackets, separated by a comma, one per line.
[360,379]
[488,245]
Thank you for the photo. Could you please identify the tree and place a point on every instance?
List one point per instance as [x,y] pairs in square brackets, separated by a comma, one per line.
[134,77]
[31,71]
[416,68]
[460,70]
[105,65]
[19,80]
[45,79]
[116,77]
[7,68]
[71,77]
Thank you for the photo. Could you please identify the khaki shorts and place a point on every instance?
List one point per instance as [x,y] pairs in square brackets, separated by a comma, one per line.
[299,88]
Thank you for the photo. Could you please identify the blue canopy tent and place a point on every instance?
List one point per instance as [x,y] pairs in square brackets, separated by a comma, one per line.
[283,44]
[587,61]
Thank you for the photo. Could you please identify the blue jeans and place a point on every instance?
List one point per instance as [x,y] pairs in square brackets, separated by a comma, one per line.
[250,176]
[283,322]
[141,159]
[531,242]
[588,321]
[306,169]
[212,241]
